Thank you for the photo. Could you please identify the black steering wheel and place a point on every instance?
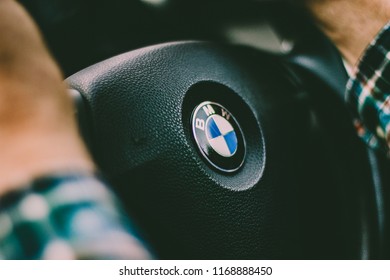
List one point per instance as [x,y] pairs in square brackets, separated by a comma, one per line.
[227,152]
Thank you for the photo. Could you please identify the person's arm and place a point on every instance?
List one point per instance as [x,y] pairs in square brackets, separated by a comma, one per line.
[38,133]
[52,205]
[350,24]
[361,32]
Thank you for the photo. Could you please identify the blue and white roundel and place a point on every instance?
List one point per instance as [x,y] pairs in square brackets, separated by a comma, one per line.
[221,136]
[218,136]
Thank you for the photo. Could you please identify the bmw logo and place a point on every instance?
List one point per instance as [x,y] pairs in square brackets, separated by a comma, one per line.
[218,136]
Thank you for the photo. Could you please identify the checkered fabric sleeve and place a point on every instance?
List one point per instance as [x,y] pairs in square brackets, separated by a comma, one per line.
[66,217]
[368,93]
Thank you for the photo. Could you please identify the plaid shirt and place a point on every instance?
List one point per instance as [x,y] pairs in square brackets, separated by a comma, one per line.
[368,93]
[66,217]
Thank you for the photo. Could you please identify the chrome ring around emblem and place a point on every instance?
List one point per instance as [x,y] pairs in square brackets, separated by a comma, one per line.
[218,136]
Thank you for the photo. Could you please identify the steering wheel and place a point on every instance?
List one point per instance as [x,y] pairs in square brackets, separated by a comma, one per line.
[227,152]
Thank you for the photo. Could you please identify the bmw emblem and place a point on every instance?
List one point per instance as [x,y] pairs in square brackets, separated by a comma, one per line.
[218,136]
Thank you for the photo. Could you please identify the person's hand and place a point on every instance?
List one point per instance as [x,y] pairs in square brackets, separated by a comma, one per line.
[38,131]
[350,24]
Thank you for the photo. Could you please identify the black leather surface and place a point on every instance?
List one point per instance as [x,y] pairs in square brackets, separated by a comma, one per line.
[287,204]
[319,66]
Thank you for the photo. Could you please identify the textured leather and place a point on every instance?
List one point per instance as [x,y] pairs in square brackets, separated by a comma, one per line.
[282,204]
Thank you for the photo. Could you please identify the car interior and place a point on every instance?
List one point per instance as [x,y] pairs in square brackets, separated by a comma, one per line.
[308,187]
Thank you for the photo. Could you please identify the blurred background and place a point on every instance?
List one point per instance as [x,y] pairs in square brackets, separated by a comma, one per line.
[83,32]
